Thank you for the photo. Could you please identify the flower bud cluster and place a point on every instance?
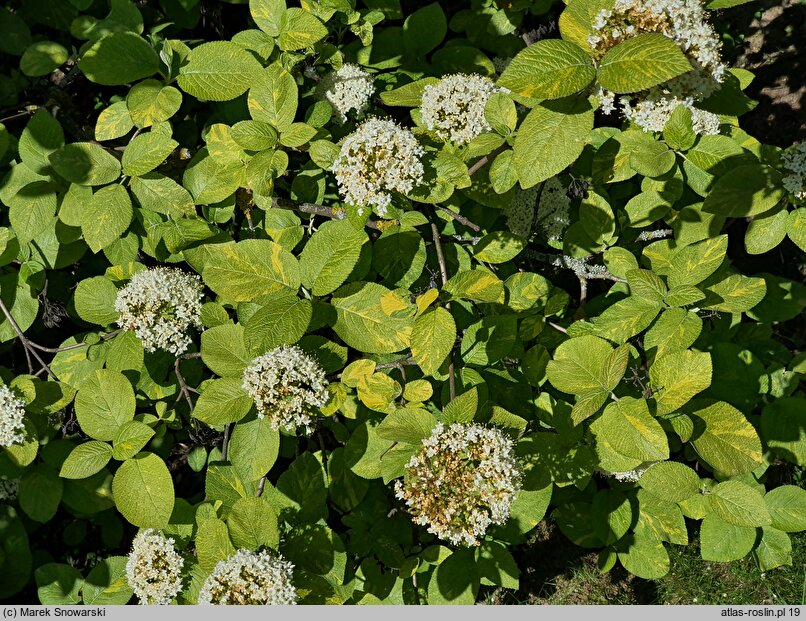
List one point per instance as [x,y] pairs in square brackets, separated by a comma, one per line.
[554,209]
[464,479]
[377,159]
[347,88]
[287,385]
[521,212]
[160,305]
[12,416]
[9,489]
[250,578]
[454,107]
[794,160]
[630,476]
[154,568]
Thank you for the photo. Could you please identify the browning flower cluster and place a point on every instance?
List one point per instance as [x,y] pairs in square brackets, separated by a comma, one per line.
[464,479]
[154,568]
[250,578]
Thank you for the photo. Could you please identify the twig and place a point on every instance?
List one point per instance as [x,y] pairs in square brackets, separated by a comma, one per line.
[396,364]
[657,234]
[316,210]
[557,327]
[225,444]
[459,218]
[19,115]
[26,343]
[260,485]
[583,290]
[443,269]
[56,350]
[483,161]
[184,389]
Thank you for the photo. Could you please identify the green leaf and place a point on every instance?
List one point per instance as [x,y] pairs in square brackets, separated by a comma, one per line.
[670,480]
[678,376]
[223,350]
[161,194]
[728,442]
[131,439]
[739,504]
[643,554]
[85,163]
[551,138]
[218,71]
[694,263]
[144,491]
[407,425]
[254,447]
[304,483]
[282,320]
[683,295]
[362,324]
[410,94]
[40,493]
[496,566]
[766,231]
[679,129]
[424,30]
[783,427]
[432,337]
[42,136]
[735,294]
[641,62]
[267,14]
[42,57]
[489,339]
[646,284]
[273,97]
[86,459]
[253,523]
[32,210]
[108,214]
[105,400]
[330,256]
[223,401]
[724,542]
[243,271]
[146,152]
[399,256]
[455,580]
[224,483]
[548,69]
[119,58]
[463,408]
[796,227]
[774,549]
[106,584]
[150,102]
[652,159]
[264,168]
[787,508]
[745,191]
[113,122]
[663,517]
[627,429]
[57,583]
[16,37]
[476,285]
[299,29]
[213,543]
[499,247]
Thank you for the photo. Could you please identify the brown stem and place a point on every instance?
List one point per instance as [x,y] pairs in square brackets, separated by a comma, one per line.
[184,389]
[260,485]
[481,163]
[314,209]
[225,445]
[459,218]
[443,269]
[25,342]
[56,350]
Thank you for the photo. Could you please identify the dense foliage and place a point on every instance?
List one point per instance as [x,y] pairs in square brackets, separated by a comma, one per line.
[335,303]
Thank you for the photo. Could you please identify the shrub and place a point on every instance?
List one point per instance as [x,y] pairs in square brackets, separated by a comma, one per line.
[336,303]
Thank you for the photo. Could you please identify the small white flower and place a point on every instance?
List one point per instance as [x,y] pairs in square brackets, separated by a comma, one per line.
[463,480]
[377,159]
[154,568]
[160,305]
[287,385]
[347,88]
[250,578]
[607,100]
[9,489]
[654,109]
[454,106]
[794,161]
[12,416]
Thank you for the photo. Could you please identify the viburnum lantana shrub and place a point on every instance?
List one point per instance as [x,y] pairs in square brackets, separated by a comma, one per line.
[336,303]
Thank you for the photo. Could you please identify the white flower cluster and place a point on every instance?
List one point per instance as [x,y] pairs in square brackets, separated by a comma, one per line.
[684,22]
[454,106]
[347,88]
[630,476]
[464,479]
[250,578]
[794,160]
[653,111]
[377,159]
[159,305]
[9,489]
[287,385]
[12,415]
[521,212]
[154,568]
[553,211]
